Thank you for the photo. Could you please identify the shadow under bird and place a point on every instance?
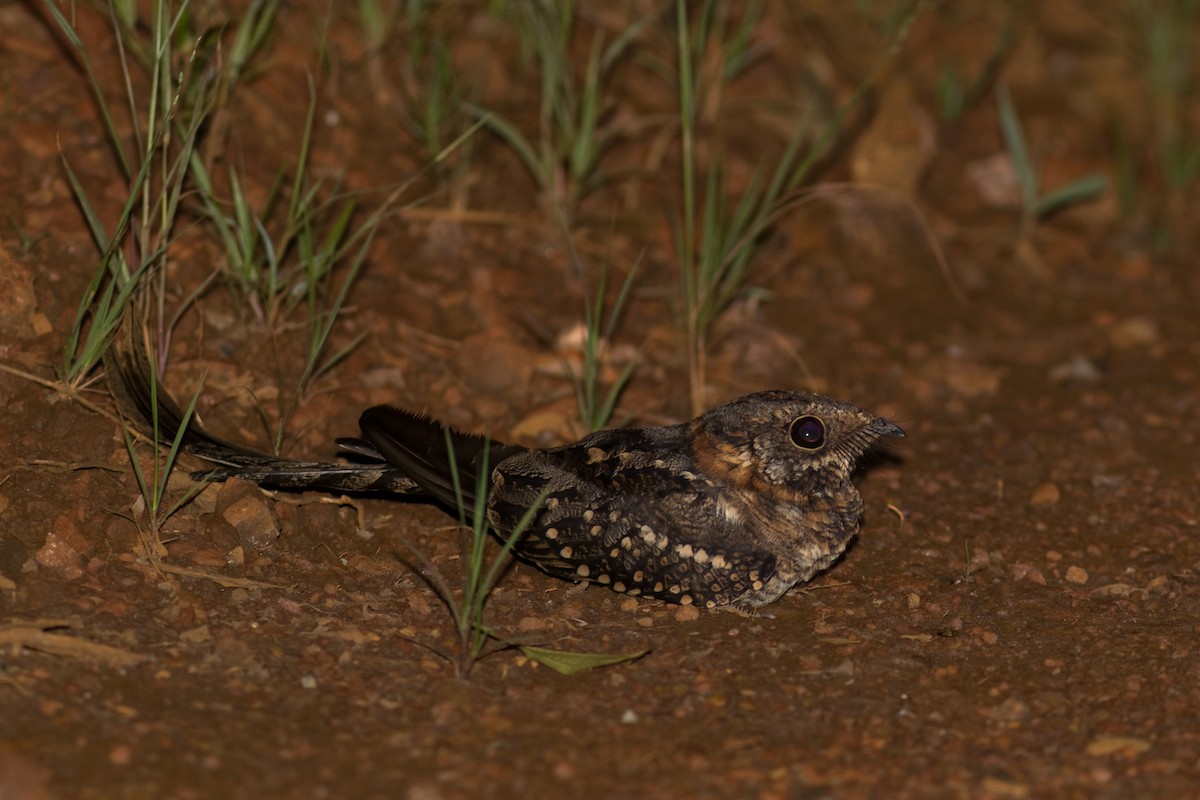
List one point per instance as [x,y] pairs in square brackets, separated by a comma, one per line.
[733,508]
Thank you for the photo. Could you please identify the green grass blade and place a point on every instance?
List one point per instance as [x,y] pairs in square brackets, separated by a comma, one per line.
[511,540]
[251,35]
[138,474]
[524,150]
[1077,191]
[1014,140]
[177,442]
[456,611]
[92,297]
[317,342]
[95,226]
[106,313]
[110,127]
[602,415]
[455,481]
[476,594]
[739,54]
[583,139]
[294,210]
[461,139]
[337,357]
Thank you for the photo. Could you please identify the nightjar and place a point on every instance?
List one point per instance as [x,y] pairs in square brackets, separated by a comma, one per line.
[733,508]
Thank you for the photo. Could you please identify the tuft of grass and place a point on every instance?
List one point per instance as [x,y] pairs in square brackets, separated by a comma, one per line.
[192,74]
[714,242]
[25,241]
[166,133]
[440,104]
[436,95]
[480,577]
[1167,31]
[152,486]
[1170,30]
[284,256]
[1035,205]
[599,323]
[956,95]
[279,262]
[564,158]
[152,508]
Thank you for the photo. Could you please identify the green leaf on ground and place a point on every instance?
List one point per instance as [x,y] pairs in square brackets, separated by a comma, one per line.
[569,663]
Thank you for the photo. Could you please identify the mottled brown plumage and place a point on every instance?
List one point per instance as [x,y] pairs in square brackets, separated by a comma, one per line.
[731,509]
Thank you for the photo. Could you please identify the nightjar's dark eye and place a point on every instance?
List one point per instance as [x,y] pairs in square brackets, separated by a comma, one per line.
[808,433]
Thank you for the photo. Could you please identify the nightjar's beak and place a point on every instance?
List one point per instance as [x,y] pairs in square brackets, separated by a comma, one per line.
[881,427]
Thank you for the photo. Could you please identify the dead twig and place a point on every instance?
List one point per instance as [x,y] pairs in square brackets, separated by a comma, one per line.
[41,635]
[224,581]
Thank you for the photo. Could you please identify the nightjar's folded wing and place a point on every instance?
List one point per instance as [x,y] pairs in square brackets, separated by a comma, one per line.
[627,509]
[128,372]
[433,454]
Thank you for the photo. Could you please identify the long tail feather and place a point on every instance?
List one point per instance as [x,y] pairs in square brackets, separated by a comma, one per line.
[128,372]
[417,445]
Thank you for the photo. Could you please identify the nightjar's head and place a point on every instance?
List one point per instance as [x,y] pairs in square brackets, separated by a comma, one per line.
[791,440]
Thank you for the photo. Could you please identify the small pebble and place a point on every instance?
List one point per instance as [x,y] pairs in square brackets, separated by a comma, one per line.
[121,755]
[1078,369]
[1028,572]
[1134,332]
[1158,585]
[1077,575]
[1046,494]
[252,519]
